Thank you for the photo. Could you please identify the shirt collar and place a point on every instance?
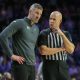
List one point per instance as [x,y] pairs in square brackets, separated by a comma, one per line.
[28,21]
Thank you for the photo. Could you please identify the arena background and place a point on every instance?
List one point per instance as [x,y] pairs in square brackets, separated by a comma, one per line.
[13,9]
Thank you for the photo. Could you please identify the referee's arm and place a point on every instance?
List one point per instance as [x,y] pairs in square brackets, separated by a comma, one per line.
[69,46]
[44,50]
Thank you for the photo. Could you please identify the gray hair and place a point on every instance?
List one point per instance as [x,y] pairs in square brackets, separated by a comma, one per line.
[36,5]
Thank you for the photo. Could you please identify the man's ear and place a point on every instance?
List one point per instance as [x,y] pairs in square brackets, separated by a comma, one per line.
[29,11]
[60,21]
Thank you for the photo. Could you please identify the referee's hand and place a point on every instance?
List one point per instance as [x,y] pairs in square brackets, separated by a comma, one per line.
[19,59]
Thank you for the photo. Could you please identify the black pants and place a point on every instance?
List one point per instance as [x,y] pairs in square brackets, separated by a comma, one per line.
[55,70]
[23,72]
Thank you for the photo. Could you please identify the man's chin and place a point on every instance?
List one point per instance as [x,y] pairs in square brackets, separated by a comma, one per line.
[36,21]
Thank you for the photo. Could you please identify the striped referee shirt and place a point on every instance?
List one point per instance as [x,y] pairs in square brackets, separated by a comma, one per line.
[53,40]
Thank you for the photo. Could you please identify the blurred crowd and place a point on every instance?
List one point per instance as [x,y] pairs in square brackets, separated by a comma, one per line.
[13,9]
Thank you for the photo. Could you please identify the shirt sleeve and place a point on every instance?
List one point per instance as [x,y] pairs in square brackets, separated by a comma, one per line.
[42,39]
[4,37]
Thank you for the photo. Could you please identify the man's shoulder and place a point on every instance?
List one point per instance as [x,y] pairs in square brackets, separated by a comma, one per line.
[45,31]
[18,20]
[65,32]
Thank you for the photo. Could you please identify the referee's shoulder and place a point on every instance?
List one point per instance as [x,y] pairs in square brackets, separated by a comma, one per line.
[68,35]
[65,32]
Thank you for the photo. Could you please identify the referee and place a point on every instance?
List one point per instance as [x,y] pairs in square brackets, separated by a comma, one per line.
[54,46]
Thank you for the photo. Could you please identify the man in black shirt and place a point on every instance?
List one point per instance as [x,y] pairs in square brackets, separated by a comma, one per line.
[54,46]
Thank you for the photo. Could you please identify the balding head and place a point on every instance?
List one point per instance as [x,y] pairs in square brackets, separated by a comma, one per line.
[55,19]
[56,14]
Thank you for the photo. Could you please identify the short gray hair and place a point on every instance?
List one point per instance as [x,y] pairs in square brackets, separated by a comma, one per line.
[36,5]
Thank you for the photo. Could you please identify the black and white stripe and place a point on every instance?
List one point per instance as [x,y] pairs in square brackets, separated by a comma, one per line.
[55,40]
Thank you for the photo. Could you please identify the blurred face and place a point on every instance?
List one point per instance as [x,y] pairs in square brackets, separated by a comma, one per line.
[55,20]
[35,15]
